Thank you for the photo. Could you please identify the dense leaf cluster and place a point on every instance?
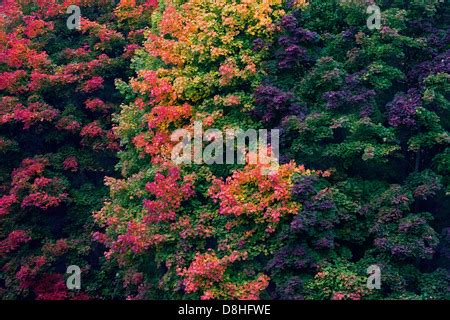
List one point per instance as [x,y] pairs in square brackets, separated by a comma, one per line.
[364,175]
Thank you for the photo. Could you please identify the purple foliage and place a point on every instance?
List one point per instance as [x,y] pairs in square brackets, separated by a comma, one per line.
[402,109]
[304,187]
[288,291]
[291,52]
[289,23]
[258,44]
[349,33]
[273,103]
[326,242]
[437,38]
[405,226]
[352,94]
[366,111]
[440,64]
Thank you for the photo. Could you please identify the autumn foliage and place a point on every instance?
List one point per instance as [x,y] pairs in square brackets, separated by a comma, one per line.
[87,179]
